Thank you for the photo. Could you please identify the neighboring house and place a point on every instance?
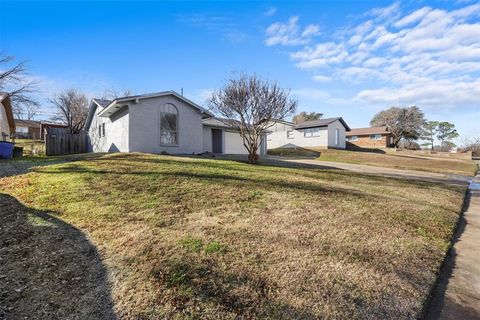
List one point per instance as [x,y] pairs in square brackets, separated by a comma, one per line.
[30,129]
[374,137]
[324,133]
[27,129]
[7,124]
[156,123]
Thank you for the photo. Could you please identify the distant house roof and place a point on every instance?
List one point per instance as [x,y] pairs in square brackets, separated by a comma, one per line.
[321,123]
[27,123]
[367,131]
[7,105]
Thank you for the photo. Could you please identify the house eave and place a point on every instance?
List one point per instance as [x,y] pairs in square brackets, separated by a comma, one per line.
[118,103]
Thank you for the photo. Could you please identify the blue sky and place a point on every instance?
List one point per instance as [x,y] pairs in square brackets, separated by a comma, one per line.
[341,58]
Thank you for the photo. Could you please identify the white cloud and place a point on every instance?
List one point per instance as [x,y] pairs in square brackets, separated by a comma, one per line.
[413,17]
[435,95]
[321,78]
[429,57]
[290,33]
[271,11]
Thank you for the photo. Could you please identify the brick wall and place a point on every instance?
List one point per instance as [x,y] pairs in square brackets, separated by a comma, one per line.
[364,141]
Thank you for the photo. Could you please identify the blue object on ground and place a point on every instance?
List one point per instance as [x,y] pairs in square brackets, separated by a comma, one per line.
[6,150]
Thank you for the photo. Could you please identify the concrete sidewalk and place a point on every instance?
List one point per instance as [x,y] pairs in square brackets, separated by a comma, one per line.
[458,291]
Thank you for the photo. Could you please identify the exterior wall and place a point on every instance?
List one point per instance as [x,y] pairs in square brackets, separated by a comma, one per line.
[341,136]
[279,139]
[116,132]
[4,127]
[207,139]
[364,141]
[145,127]
[232,142]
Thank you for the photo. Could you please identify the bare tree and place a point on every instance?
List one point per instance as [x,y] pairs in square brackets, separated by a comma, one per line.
[401,122]
[72,109]
[249,105]
[14,80]
[113,93]
[306,116]
[471,144]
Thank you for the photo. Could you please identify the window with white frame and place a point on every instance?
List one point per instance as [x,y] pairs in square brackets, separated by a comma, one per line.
[337,136]
[103,129]
[168,124]
[99,130]
[352,138]
[375,137]
[289,134]
[311,132]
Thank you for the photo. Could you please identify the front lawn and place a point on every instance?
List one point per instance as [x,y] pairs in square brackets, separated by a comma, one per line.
[398,161]
[173,237]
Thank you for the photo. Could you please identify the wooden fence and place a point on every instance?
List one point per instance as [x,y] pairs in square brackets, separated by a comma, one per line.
[58,141]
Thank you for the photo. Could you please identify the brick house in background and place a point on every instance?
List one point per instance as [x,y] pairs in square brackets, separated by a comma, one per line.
[27,129]
[30,129]
[369,138]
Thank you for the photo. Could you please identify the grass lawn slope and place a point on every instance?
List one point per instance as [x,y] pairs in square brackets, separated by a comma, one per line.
[194,238]
[398,161]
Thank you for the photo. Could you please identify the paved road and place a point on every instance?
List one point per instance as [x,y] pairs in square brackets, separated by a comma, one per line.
[388,172]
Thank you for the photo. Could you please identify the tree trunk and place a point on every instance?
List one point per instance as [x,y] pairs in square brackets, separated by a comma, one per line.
[252,155]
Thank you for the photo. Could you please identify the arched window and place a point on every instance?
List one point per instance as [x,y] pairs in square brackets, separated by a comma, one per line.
[168,124]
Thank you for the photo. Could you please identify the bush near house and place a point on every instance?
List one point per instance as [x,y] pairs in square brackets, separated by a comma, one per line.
[193,238]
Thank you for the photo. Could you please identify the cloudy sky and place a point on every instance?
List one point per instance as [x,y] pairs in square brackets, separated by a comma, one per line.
[340,58]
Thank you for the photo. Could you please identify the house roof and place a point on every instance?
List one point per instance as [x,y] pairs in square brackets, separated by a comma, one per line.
[7,104]
[321,123]
[102,102]
[214,122]
[112,107]
[27,123]
[367,131]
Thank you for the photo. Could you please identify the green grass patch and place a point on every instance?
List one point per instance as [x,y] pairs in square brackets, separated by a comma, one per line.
[187,237]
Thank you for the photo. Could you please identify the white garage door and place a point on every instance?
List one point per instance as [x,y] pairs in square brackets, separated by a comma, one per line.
[234,143]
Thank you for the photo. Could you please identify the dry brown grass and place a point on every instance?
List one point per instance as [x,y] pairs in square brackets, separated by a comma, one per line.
[398,161]
[194,238]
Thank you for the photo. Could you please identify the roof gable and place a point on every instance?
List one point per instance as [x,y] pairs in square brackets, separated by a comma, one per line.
[110,109]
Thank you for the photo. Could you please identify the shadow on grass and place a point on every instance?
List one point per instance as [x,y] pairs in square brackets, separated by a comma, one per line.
[249,178]
[48,269]
[18,166]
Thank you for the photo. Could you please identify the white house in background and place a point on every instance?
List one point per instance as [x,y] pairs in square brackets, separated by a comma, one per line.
[324,133]
[156,123]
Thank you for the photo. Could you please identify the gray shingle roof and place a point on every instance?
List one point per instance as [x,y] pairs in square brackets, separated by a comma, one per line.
[320,123]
